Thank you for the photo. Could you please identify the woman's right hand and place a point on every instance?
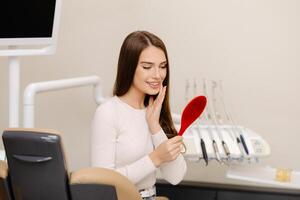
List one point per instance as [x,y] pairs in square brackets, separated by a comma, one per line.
[154,109]
[167,151]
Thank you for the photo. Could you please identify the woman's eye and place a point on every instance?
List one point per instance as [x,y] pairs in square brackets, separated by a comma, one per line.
[146,67]
[163,66]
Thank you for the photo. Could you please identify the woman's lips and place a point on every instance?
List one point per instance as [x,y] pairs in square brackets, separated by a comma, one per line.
[154,85]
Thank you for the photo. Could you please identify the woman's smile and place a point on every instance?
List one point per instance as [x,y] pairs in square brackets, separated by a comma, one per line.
[154,85]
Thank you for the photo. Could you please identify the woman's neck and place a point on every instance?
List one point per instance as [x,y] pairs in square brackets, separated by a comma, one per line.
[134,98]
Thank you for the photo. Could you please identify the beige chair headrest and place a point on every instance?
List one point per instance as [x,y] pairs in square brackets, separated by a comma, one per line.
[35,130]
[125,189]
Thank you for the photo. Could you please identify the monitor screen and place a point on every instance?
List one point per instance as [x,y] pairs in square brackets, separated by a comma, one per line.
[26,18]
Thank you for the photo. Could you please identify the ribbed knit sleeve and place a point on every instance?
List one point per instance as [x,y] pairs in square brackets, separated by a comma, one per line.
[159,138]
[173,171]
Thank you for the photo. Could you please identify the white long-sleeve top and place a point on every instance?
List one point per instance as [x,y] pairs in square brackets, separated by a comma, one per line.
[121,140]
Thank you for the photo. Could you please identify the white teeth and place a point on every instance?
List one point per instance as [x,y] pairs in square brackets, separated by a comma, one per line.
[154,84]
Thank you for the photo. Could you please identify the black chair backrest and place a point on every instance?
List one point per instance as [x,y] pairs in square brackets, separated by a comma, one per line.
[36,163]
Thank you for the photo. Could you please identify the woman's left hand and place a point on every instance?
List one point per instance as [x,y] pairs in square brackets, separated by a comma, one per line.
[153,110]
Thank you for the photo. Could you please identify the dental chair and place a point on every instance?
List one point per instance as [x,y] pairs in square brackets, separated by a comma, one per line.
[37,170]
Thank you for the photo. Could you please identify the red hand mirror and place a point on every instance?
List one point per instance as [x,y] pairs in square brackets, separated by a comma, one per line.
[191,112]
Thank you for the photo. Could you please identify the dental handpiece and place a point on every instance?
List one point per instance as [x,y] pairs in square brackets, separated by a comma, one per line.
[207,116]
[235,138]
[214,108]
[212,138]
[239,136]
[238,141]
[224,145]
[202,143]
[216,111]
[210,109]
[239,144]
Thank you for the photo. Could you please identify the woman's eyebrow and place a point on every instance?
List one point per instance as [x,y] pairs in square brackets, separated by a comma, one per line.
[151,63]
[146,62]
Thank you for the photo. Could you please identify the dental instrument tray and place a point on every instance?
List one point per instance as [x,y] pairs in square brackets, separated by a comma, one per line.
[232,143]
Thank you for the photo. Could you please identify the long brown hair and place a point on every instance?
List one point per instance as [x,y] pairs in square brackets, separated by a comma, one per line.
[131,49]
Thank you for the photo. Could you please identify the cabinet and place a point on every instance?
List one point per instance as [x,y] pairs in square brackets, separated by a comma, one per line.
[204,191]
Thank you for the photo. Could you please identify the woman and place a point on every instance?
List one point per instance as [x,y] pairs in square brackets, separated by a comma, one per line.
[130,131]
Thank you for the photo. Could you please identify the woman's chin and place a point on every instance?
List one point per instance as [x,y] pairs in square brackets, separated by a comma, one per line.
[152,92]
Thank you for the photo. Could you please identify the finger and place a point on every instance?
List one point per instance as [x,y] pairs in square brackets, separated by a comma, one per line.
[178,145]
[150,100]
[173,146]
[158,95]
[160,98]
[162,93]
[183,148]
[175,153]
[170,145]
[176,139]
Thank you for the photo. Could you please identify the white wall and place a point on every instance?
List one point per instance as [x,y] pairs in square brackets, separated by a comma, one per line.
[251,45]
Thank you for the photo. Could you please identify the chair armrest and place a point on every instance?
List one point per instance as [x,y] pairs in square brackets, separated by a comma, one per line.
[5,187]
[3,169]
[125,189]
[161,198]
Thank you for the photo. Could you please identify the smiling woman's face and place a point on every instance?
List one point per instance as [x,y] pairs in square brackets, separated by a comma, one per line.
[150,71]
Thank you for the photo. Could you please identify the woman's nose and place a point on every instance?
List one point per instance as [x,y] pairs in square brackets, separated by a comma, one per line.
[156,73]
